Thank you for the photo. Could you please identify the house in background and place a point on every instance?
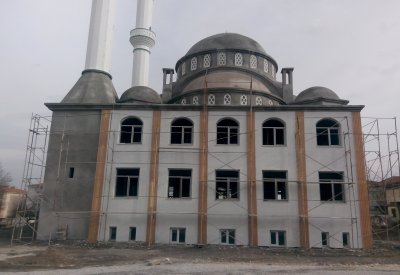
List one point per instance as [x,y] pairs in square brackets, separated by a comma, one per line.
[10,199]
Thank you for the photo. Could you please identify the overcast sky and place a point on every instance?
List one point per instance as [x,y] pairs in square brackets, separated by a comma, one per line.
[351,47]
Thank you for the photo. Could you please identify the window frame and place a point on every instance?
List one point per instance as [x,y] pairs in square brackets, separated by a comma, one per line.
[227,232]
[193,63]
[332,183]
[238,59]
[128,187]
[132,132]
[131,230]
[221,59]
[229,134]
[228,181]
[112,230]
[181,178]
[276,182]
[274,234]
[178,231]
[325,240]
[182,131]
[274,131]
[347,234]
[207,60]
[329,134]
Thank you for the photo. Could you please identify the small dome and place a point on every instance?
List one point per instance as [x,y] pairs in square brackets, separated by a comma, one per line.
[141,95]
[226,41]
[315,93]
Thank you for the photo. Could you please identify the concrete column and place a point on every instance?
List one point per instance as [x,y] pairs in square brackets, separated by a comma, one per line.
[203,179]
[366,232]
[302,181]
[98,54]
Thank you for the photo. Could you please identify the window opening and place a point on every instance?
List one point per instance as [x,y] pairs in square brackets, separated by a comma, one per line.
[71,172]
[278,237]
[227,99]
[259,100]
[207,61]
[275,185]
[253,62]
[325,238]
[183,68]
[328,132]
[131,130]
[266,65]
[127,182]
[227,236]
[227,132]
[211,99]
[132,233]
[183,102]
[346,239]
[195,100]
[227,184]
[181,131]
[238,59]
[273,132]
[178,235]
[331,186]
[193,64]
[113,233]
[221,59]
[179,183]
[243,100]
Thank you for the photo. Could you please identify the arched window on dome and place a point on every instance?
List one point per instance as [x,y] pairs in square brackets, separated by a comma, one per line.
[183,68]
[131,130]
[253,61]
[328,132]
[193,64]
[183,101]
[211,99]
[273,132]
[259,100]
[221,59]
[243,100]
[196,100]
[227,99]
[266,65]
[181,131]
[227,131]
[238,59]
[207,60]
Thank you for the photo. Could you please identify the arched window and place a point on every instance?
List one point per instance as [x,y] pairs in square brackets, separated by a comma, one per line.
[243,100]
[227,99]
[238,59]
[273,132]
[253,61]
[131,130]
[193,64]
[181,131]
[183,68]
[195,100]
[207,61]
[221,59]
[266,65]
[259,100]
[211,99]
[328,132]
[227,131]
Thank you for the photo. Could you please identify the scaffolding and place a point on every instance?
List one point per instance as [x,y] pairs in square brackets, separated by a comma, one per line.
[381,149]
[27,214]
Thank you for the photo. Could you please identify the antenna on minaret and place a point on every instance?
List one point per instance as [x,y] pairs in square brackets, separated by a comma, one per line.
[142,39]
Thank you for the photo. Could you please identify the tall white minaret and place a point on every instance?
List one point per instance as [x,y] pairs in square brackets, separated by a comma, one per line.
[142,39]
[98,54]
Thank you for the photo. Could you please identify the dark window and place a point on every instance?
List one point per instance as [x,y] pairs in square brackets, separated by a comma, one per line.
[275,185]
[325,238]
[181,131]
[346,239]
[328,132]
[131,130]
[331,186]
[278,237]
[132,233]
[179,183]
[127,182]
[178,235]
[273,132]
[227,184]
[227,132]
[113,233]
[227,236]
[71,172]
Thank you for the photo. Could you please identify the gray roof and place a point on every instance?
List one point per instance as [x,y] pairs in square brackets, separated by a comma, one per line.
[140,94]
[226,41]
[316,92]
[92,87]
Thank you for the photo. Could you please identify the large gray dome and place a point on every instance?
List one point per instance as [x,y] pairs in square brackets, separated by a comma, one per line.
[226,41]
[140,95]
[319,93]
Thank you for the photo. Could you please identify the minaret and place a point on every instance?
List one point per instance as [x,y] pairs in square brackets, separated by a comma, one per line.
[142,39]
[95,85]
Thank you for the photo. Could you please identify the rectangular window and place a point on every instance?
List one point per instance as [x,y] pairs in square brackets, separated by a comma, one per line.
[71,172]
[227,184]
[331,186]
[227,236]
[178,235]
[131,134]
[127,182]
[278,237]
[275,185]
[132,233]
[346,239]
[113,233]
[325,238]
[179,183]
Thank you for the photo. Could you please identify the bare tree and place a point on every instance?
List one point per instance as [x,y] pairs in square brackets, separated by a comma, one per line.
[5,177]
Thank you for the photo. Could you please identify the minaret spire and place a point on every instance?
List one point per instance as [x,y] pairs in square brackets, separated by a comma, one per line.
[142,39]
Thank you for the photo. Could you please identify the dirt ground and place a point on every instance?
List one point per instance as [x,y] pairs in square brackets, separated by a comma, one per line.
[384,257]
